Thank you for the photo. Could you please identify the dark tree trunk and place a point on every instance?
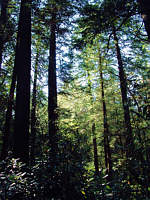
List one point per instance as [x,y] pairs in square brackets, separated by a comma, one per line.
[6,134]
[52,89]
[107,151]
[123,87]
[95,150]
[23,66]
[3,22]
[145,13]
[33,111]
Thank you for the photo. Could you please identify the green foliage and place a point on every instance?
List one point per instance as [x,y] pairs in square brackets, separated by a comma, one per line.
[88,25]
[41,181]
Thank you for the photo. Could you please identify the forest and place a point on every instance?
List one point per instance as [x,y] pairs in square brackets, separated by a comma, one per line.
[74,99]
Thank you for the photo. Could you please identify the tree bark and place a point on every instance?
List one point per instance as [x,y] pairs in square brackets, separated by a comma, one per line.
[23,66]
[33,111]
[145,13]
[123,87]
[3,22]
[52,89]
[107,151]
[95,150]
[6,134]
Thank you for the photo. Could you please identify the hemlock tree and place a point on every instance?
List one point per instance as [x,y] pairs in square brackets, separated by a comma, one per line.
[60,11]
[52,84]
[125,103]
[107,150]
[34,107]
[6,132]
[23,66]
[95,152]
[94,17]
[3,22]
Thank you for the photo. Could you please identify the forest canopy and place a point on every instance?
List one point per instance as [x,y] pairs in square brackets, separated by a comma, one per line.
[74,99]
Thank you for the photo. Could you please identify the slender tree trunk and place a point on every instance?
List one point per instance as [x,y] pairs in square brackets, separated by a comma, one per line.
[93,129]
[3,22]
[123,87]
[95,150]
[52,89]
[23,66]
[145,13]
[33,111]
[107,151]
[6,134]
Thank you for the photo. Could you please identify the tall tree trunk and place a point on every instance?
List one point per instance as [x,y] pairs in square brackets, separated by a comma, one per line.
[123,87]
[52,89]
[33,111]
[3,22]
[6,134]
[95,150]
[107,151]
[145,13]
[93,128]
[23,66]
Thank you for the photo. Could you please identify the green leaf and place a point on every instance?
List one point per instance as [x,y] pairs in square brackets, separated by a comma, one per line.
[108,187]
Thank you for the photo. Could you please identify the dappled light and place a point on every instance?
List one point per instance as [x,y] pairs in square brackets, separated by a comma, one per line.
[74,100]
